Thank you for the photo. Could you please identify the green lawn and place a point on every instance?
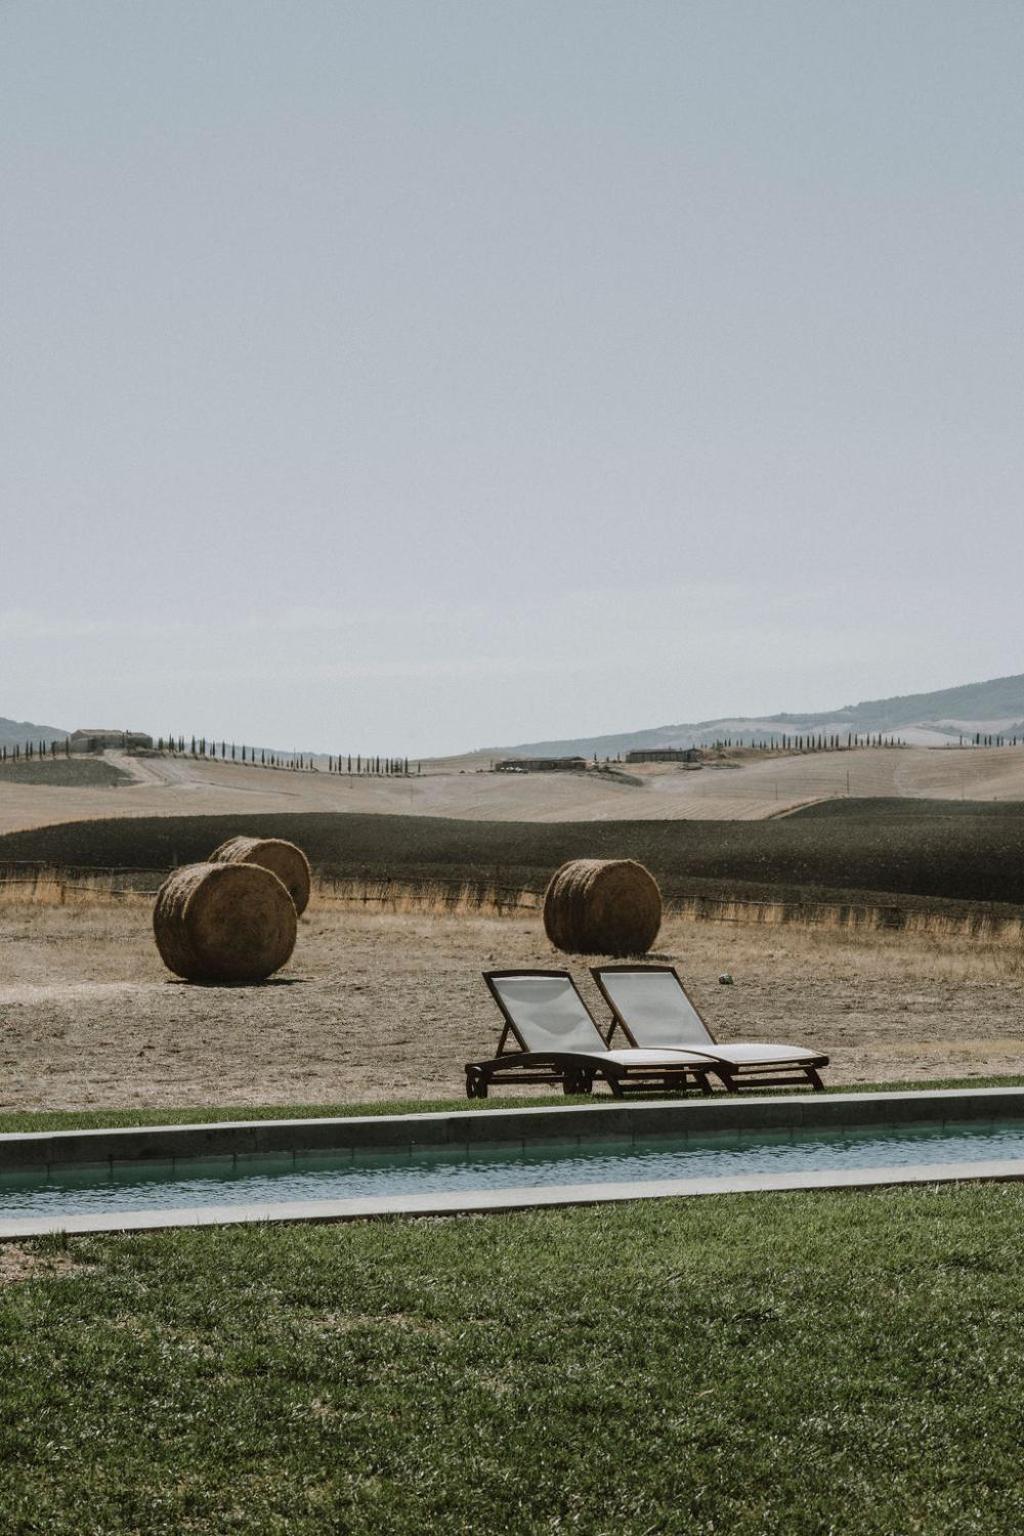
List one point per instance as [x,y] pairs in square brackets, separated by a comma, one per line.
[786,1365]
[791,1364]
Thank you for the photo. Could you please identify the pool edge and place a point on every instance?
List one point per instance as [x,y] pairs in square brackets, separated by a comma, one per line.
[626,1118]
[474,1202]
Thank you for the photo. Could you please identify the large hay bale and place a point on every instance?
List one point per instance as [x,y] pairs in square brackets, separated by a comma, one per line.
[228,923]
[602,907]
[284,860]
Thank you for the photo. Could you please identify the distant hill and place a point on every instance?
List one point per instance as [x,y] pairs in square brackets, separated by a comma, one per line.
[996,706]
[16,733]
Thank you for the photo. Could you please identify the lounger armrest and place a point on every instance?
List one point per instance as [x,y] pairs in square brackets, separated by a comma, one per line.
[539,1059]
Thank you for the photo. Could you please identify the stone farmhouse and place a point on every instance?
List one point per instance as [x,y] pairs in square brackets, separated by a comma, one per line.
[98,740]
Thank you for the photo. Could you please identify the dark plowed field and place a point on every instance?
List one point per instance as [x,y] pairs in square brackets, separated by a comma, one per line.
[63,773]
[880,808]
[847,850]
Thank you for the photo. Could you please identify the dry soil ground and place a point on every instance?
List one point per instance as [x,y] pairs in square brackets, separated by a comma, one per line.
[375,1007]
[165,786]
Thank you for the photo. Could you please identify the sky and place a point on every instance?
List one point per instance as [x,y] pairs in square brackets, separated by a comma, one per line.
[415,377]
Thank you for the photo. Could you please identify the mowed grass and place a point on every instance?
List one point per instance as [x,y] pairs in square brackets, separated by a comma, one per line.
[791,1364]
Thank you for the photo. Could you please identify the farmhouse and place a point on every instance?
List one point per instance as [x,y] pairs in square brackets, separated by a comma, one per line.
[540,764]
[96,740]
[664,755]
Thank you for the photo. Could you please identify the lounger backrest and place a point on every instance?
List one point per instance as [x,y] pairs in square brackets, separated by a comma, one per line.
[548,1013]
[654,1008]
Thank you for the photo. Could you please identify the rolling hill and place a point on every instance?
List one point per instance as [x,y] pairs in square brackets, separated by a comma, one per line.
[995,707]
[18,733]
[922,719]
[853,851]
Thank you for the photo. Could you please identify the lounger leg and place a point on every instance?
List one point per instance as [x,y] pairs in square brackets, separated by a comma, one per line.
[476,1083]
[814,1080]
[705,1086]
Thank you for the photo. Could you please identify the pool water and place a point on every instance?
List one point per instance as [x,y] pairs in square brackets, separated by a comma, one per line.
[255,1180]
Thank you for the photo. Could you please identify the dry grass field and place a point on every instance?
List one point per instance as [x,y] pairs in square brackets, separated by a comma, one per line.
[389,1006]
[758,788]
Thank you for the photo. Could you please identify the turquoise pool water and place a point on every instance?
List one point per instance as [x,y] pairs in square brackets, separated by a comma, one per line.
[341,1175]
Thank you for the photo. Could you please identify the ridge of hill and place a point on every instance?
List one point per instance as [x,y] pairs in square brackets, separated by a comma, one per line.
[18,733]
[992,707]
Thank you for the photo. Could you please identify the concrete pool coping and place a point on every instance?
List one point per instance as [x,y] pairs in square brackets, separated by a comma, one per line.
[53,1152]
[476,1202]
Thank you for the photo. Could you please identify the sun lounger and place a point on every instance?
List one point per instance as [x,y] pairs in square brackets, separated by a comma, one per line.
[555,1040]
[654,1010]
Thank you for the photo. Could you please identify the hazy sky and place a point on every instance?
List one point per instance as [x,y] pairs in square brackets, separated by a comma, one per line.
[420,376]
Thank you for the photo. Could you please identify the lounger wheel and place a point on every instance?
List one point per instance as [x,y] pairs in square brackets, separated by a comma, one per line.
[476,1084]
[577,1081]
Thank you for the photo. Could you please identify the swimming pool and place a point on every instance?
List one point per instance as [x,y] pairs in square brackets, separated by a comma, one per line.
[488,1159]
[311,1178]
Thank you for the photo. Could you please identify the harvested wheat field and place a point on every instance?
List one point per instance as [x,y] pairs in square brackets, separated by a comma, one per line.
[751,789]
[389,1006]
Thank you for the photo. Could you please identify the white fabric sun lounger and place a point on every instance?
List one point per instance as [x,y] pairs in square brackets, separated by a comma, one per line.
[555,1040]
[654,1010]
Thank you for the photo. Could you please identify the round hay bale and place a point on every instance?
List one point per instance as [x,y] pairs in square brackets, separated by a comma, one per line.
[228,923]
[602,907]
[284,860]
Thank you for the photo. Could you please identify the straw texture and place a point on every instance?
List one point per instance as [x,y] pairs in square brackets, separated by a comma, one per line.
[284,860]
[229,923]
[602,907]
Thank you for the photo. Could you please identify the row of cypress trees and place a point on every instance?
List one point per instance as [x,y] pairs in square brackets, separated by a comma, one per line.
[812,742]
[225,751]
[28,750]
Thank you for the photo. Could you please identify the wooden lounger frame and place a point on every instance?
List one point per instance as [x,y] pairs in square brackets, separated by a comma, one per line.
[736,1077]
[574,1070]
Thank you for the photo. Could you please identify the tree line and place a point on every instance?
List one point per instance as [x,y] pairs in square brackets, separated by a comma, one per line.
[297,762]
[225,751]
[821,741]
[33,749]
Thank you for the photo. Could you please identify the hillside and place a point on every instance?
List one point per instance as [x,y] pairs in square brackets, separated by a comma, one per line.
[18,733]
[760,787]
[993,707]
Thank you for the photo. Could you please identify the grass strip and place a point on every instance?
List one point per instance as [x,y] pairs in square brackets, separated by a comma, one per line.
[16,1121]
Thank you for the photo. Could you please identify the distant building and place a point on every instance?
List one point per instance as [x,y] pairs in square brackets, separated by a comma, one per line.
[99,740]
[540,764]
[665,755]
